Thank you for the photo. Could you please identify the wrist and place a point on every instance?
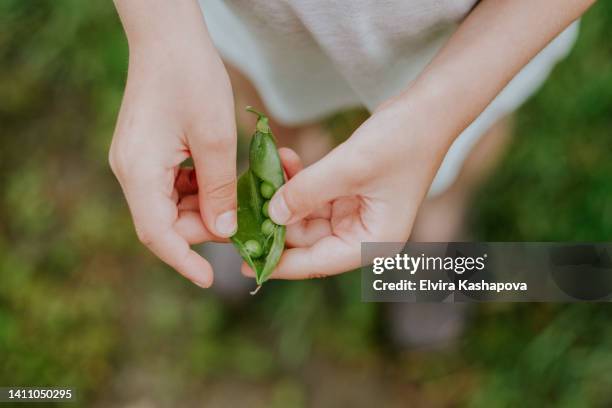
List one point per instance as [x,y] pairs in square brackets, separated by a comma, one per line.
[424,122]
[433,104]
[152,26]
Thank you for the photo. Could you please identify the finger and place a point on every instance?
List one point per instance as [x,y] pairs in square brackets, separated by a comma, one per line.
[307,232]
[215,162]
[292,164]
[311,189]
[189,203]
[329,256]
[185,181]
[321,212]
[154,214]
[246,270]
[190,226]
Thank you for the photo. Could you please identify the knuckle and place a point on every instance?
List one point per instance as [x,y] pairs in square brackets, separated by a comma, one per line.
[222,189]
[119,158]
[113,160]
[125,161]
[145,236]
[295,200]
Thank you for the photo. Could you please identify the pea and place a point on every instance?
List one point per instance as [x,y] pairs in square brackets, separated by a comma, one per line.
[253,248]
[267,227]
[267,189]
[260,241]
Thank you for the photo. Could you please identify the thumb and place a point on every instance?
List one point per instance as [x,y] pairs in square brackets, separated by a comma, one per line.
[310,189]
[215,164]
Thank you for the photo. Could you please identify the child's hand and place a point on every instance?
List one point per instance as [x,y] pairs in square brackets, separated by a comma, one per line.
[178,103]
[367,189]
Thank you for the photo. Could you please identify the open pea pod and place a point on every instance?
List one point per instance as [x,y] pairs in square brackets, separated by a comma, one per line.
[260,241]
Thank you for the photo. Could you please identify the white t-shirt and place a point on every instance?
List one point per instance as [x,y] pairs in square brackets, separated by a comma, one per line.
[310,58]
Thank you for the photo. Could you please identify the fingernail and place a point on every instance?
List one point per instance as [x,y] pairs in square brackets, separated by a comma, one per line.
[278,210]
[226,224]
[201,284]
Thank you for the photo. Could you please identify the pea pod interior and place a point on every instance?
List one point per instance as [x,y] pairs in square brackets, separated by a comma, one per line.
[264,169]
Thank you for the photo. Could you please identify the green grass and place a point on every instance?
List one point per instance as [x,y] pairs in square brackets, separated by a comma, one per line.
[82,304]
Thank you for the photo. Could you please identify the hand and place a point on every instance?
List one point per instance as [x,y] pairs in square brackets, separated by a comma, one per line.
[178,103]
[366,190]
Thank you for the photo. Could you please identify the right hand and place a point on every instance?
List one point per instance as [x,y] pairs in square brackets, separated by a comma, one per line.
[177,103]
[368,189]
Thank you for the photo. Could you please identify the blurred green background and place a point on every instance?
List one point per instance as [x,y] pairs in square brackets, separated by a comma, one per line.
[82,304]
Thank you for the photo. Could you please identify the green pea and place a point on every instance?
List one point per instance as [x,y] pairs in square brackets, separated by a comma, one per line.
[267,227]
[253,248]
[260,241]
[267,189]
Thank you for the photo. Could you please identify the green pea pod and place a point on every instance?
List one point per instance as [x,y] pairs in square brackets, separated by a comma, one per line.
[260,247]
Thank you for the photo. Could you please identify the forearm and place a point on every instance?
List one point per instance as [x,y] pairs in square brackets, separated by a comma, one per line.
[151,23]
[489,48]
